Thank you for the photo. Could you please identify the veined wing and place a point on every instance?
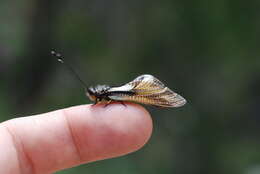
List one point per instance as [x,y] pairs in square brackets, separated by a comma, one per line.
[147,89]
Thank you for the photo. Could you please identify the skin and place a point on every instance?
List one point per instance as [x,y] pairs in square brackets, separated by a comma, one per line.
[46,143]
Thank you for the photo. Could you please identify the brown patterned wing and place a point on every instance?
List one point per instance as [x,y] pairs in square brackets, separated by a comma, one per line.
[147,89]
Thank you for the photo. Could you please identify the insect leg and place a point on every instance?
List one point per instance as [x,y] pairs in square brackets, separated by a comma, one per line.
[96,101]
[123,103]
[108,102]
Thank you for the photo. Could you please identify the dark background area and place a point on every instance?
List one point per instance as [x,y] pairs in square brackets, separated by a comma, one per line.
[208,51]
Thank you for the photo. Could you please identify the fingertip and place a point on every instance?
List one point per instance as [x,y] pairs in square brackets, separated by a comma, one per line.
[135,121]
[116,129]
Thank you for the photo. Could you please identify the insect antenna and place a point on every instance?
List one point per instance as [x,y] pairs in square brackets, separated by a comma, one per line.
[61,60]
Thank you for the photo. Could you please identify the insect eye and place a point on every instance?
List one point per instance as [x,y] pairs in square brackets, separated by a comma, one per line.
[90,91]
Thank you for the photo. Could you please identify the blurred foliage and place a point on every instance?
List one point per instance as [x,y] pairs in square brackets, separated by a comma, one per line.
[208,51]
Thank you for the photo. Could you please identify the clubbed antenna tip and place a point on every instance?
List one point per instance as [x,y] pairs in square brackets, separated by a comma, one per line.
[57,55]
[53,52]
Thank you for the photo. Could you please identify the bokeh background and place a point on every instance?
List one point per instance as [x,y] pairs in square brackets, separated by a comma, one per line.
[208,51]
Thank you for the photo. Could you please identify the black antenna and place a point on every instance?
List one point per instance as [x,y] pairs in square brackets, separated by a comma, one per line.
[61,60]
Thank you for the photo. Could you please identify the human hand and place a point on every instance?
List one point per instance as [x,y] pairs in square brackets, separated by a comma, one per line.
[49,142]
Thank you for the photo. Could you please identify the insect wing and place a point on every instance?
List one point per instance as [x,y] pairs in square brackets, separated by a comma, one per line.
[147,89]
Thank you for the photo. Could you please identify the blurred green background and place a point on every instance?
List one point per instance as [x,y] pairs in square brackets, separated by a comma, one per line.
[208,51]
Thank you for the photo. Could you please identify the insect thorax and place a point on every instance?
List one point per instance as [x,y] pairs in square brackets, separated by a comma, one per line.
[99,91]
